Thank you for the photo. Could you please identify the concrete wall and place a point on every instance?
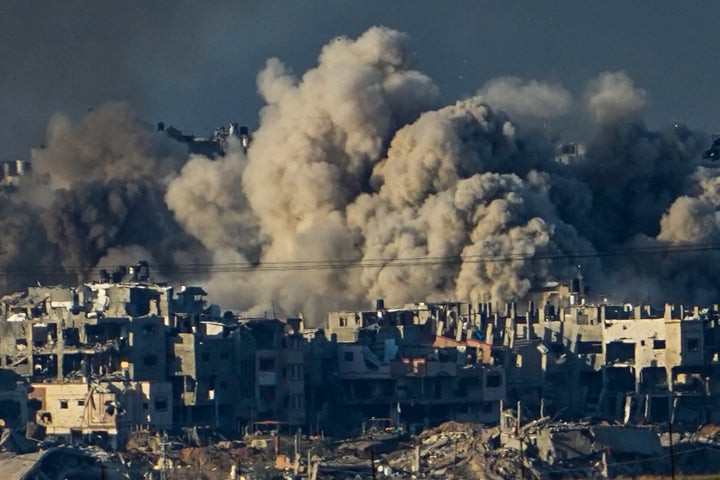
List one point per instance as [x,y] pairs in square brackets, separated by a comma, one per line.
[108,406]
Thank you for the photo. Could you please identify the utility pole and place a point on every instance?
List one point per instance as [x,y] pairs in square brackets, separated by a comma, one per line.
[296,457]
[416,459]
[454,460]
[163,465]
[522,459]
[500,422]
[519,437]
[672,448]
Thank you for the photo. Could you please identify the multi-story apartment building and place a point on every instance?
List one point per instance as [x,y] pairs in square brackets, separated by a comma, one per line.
[417,364]
[279,370]
[126,353]
[628,362]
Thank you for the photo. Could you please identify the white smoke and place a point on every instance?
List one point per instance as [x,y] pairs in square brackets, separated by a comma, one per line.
[438,199]
[612,96]
[526,99]
[318,140]
[355,162]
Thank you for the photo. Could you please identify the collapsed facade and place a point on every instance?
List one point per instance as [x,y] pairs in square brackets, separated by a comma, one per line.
[125,353]
[417,364]
[211,147]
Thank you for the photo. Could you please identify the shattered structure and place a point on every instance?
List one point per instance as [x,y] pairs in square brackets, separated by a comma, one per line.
[628,362]
[125,353]
[417,363]
[14,172]
[211,147]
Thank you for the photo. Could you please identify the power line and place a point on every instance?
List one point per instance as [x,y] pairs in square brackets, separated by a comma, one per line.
[329,264]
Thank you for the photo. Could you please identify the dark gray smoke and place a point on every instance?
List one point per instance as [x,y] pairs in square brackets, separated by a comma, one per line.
[26,255]
[92,219]
[633,173]
[108,142]
[355,161]
[102,198]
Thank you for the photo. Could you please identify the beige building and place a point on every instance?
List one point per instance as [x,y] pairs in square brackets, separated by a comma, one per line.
[111,407]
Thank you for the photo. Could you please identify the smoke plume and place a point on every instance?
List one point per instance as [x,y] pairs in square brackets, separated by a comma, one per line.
[526,99]
[358,185]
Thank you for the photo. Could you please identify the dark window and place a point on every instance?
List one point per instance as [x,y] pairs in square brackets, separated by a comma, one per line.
[189,384]
[349,356]
[620,352]
[589,347]
[161,404]
[494,380]
[145,405]
[267,364]
[658,344]
[63,404]
[81,403]
[267,394]
[693,344]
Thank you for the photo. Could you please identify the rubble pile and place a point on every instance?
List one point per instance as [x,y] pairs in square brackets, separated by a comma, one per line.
[457,450]
[542,449]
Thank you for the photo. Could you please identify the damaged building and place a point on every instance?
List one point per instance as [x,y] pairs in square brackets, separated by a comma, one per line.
[417,364]
[627,362]
[95,355]
[213,146]
[125,353]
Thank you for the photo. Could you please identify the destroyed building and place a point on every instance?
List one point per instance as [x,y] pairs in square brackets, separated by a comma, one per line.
[627,362]
[564,353]
[126,353]
[417,364]
[211,147]
[14,173]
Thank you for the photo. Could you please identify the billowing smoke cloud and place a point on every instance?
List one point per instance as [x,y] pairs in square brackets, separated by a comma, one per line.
[633,173]
[439,198]
[103,181]
[356,164]
[26,256]
[612,96]
[109,142]
[313,154]
[526,99]
[92,218]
